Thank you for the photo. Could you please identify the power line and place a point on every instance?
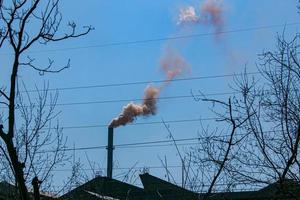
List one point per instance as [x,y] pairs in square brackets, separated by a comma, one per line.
[135,42]
[159,142]
[133,124]
[144,82]
[140,99]
[140,123]
[126,144]
[159,145]
[156,143]
[130,145]
[123,168]
[137,124]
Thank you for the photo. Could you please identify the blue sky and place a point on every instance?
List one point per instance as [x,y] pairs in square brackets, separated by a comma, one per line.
[134,20]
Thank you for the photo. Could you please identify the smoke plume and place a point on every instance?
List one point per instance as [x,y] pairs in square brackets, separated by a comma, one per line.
[210,13]
[132,110]
[173,65]
[187,14]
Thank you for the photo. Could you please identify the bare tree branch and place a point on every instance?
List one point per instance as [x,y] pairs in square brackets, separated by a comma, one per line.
[25,135]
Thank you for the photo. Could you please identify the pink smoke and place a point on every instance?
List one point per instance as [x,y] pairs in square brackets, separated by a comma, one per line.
[210,13]
[132,110]
[173,65]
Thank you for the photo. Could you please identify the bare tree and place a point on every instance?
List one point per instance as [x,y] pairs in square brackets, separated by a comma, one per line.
[28,128]
[216,147]
[262,145]
[274,106]
[189,175]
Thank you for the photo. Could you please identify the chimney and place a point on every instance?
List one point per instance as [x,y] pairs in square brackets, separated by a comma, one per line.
[110,149]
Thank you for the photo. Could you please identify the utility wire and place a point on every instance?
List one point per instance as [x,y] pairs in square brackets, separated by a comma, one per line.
[194,96]
[130,144]
[135,42]
[140,99]
[136,124]
[156,143]
[123,168]
[137,99]
[159,145]
[143,82]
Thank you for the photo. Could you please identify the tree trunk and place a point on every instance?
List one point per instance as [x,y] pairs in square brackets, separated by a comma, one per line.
[36,189]
[18,170]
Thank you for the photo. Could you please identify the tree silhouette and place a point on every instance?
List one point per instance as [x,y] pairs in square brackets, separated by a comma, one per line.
[25,24]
